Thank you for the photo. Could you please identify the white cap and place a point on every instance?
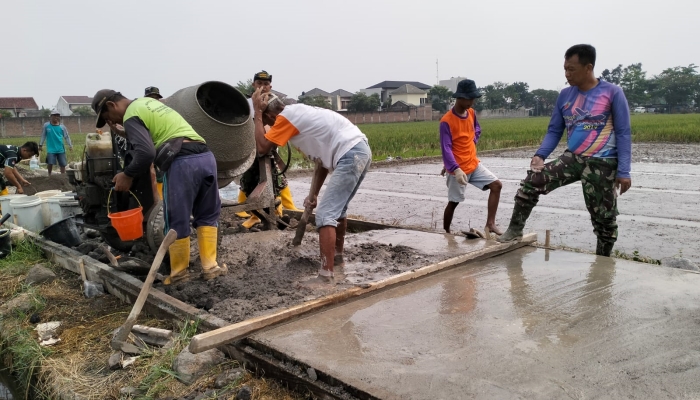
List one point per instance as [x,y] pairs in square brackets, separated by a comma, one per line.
[55,112]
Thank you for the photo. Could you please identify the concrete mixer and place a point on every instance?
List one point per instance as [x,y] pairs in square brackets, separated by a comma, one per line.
[221,115]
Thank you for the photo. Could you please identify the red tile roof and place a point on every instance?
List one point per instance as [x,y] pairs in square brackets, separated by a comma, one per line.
[18,102]
[77,99]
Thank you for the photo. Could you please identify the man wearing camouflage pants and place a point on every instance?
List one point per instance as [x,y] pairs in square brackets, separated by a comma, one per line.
[596,117]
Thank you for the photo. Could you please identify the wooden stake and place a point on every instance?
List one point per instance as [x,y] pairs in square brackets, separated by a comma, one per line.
[546,238]
[81,265]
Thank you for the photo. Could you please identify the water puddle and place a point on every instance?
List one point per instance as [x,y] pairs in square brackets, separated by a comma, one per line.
[8,391]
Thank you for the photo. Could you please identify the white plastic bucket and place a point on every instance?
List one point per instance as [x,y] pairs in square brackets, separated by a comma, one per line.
[45,195]
[62,207]
[5,203]
[27,213]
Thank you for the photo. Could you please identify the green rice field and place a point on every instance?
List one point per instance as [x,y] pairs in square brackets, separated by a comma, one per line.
[420,139]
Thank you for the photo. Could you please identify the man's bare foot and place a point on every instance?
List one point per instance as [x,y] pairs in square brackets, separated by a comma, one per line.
[492,229]
[319,282]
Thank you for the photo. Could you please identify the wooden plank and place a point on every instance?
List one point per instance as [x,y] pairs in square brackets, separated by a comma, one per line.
[237,331]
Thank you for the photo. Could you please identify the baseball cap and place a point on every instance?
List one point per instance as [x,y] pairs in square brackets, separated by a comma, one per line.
[263,76]
[152,90]
[55,112]
[98,102]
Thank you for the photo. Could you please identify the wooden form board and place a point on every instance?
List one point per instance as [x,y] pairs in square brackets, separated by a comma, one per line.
[240,330]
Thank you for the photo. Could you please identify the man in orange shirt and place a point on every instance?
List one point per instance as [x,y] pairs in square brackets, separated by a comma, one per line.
[459,133]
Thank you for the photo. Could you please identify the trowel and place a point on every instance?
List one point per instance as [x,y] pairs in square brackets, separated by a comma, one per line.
[126,264]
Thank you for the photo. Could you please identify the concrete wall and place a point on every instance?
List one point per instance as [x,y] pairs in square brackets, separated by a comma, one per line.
[424,113]
[31,126]
[499,113]
[503,113]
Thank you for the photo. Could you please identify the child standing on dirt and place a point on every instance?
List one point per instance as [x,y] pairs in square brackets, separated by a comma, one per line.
[459,134]
[54,133]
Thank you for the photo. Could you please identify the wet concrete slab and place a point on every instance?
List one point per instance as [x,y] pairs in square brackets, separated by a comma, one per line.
[514,326]
[659,216]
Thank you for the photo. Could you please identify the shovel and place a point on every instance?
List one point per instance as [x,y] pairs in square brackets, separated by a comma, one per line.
[119,340]
[301,226]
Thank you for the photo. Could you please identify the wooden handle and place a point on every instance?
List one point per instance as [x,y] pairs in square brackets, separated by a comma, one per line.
[301,226]
[143,295]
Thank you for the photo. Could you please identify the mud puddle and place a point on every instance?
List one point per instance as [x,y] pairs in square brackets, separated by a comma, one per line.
[267,274]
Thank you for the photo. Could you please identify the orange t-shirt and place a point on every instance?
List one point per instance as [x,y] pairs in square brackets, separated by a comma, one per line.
[457,139]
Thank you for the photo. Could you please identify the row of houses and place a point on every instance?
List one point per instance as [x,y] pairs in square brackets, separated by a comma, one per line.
[27,107]
[400,94]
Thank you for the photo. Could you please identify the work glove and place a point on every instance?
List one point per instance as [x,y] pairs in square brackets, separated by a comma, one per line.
[536,164]
[460,176]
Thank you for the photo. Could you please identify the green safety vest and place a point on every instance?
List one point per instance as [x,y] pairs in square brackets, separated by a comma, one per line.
[162,122]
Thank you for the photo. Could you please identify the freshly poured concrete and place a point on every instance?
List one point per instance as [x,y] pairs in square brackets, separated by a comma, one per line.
[659,216]
[514,326]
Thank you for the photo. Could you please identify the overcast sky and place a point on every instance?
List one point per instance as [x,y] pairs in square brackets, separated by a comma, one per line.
[75,47]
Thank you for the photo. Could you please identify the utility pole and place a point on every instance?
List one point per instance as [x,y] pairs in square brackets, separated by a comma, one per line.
[437,72]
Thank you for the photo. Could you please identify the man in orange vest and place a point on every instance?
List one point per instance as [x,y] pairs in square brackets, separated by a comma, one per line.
[459,134]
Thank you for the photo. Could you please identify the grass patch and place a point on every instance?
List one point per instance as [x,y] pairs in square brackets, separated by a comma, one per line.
[159,376]
[24,255]
[22,353]
[421,139]
[635,256]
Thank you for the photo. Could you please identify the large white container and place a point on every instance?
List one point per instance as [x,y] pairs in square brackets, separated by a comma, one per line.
[27,213]
[5,203]
[61,207]
[99,146]
[45,195]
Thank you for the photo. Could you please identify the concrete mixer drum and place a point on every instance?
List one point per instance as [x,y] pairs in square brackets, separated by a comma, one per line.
[221,115]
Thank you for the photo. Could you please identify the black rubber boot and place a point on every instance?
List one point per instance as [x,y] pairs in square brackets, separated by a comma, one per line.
[604,248]
[520,215]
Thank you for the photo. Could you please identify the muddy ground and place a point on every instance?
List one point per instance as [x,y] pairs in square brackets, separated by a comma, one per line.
[267,274]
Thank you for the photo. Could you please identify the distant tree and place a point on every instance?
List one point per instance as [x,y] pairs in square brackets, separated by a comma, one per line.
[360,102]
[5,114]
[387,104]
[635,84]
[678,86]
[316,101]
[494,96]
[544,101]
[518,95]
[613,76]
[45,112]
[245,87]
[440,97]
[83,111]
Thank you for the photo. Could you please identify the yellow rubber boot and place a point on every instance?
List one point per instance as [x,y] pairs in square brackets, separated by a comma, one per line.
[279,210]
[251,221]
[207,238]
[287,201]
[241,199]
[179,261]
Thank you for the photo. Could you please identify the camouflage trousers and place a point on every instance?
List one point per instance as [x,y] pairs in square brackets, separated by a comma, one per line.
[597,176]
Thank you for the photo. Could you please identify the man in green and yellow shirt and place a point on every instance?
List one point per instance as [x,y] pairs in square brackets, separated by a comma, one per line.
[190,185]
